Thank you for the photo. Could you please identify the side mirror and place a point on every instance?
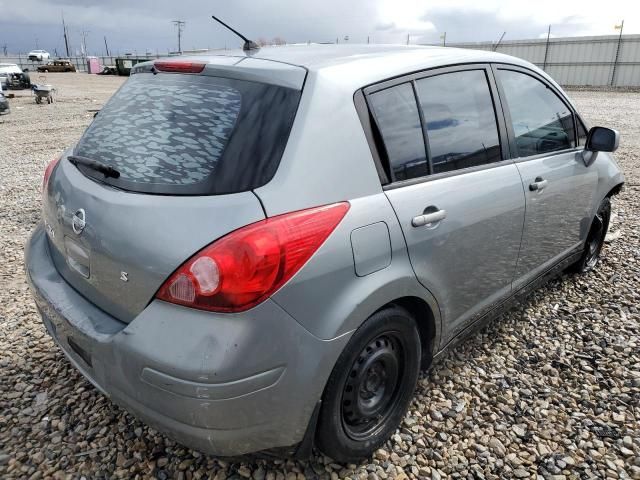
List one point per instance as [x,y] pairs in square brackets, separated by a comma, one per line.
[602,139]
[599,139]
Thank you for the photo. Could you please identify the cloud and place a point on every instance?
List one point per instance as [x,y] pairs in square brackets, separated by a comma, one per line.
[385,26]
[146,24]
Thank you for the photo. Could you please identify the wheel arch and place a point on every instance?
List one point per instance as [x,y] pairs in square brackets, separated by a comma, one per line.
[615,190]
[425,319]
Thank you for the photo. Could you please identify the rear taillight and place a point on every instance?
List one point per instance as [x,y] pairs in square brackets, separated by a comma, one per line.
[179,67]
[245,267]
[47,173]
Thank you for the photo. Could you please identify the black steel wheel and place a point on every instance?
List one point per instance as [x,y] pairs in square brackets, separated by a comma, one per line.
[370,392]
[370,387]
[595,239]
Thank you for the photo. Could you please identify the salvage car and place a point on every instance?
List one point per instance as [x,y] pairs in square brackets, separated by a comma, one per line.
[4,103]
[18,80]
[293,233]
[38,55]
[5,70]
[58,66]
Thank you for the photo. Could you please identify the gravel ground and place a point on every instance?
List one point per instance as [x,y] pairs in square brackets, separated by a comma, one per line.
[551,390]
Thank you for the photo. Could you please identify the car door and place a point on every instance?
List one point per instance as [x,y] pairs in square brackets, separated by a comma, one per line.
[458,199]
[558,187]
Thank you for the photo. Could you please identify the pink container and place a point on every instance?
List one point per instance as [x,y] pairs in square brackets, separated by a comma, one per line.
[93,65]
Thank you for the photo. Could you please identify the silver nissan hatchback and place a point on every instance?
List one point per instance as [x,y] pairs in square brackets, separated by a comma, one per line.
[259,251]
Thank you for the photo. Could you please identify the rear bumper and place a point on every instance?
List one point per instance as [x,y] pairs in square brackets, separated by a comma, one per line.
[223,384]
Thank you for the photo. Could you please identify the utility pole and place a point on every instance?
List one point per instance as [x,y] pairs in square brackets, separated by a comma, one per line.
[106,47]
[66,36]
[546,50]
[615,61]
[408,38]
[84,41]
[180,24]
[367,39]
[495,47]
[444,39]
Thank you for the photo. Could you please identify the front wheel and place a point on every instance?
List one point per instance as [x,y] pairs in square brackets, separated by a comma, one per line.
[370,387]
[595,239]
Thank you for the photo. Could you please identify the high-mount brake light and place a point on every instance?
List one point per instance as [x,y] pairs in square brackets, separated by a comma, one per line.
[179,67]
[48,171]
[248,265]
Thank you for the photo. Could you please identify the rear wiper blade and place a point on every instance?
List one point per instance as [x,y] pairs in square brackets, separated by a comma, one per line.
[104,169]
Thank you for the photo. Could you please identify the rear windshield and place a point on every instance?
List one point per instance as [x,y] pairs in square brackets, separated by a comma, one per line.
[190,134]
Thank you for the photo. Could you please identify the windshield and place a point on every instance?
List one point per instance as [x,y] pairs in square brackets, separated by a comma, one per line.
[190,134]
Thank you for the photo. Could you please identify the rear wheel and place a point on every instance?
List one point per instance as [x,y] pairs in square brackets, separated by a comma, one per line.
[370,387]
[595,239]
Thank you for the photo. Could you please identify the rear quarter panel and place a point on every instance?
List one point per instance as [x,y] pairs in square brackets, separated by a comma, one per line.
[327,158]
[329,299]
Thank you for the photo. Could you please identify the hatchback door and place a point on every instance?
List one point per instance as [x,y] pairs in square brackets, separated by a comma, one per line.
[188,149]
[559,188]
[459,203]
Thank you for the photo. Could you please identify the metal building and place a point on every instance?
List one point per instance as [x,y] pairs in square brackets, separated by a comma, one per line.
[608,60]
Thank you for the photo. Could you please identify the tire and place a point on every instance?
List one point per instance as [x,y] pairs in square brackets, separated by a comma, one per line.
[370,387]
[595,239]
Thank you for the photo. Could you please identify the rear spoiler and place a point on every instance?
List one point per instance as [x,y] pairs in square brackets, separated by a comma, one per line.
[239,67]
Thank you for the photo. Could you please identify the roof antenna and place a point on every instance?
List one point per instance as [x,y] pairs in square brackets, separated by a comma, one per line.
[248,44]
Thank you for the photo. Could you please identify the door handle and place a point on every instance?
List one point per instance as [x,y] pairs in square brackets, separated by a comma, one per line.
[538,184]
[428,218]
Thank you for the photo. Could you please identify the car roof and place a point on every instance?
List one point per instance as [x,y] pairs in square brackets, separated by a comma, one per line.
[316,56]
[360,65]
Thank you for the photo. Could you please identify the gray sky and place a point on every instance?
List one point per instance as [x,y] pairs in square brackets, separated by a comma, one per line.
[141,25]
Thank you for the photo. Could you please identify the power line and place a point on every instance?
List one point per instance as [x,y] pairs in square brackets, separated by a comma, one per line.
[180,24]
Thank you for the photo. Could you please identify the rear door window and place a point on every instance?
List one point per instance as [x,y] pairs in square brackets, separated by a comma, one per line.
[398,121]
[461,125]
[190,134]
[542,122]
